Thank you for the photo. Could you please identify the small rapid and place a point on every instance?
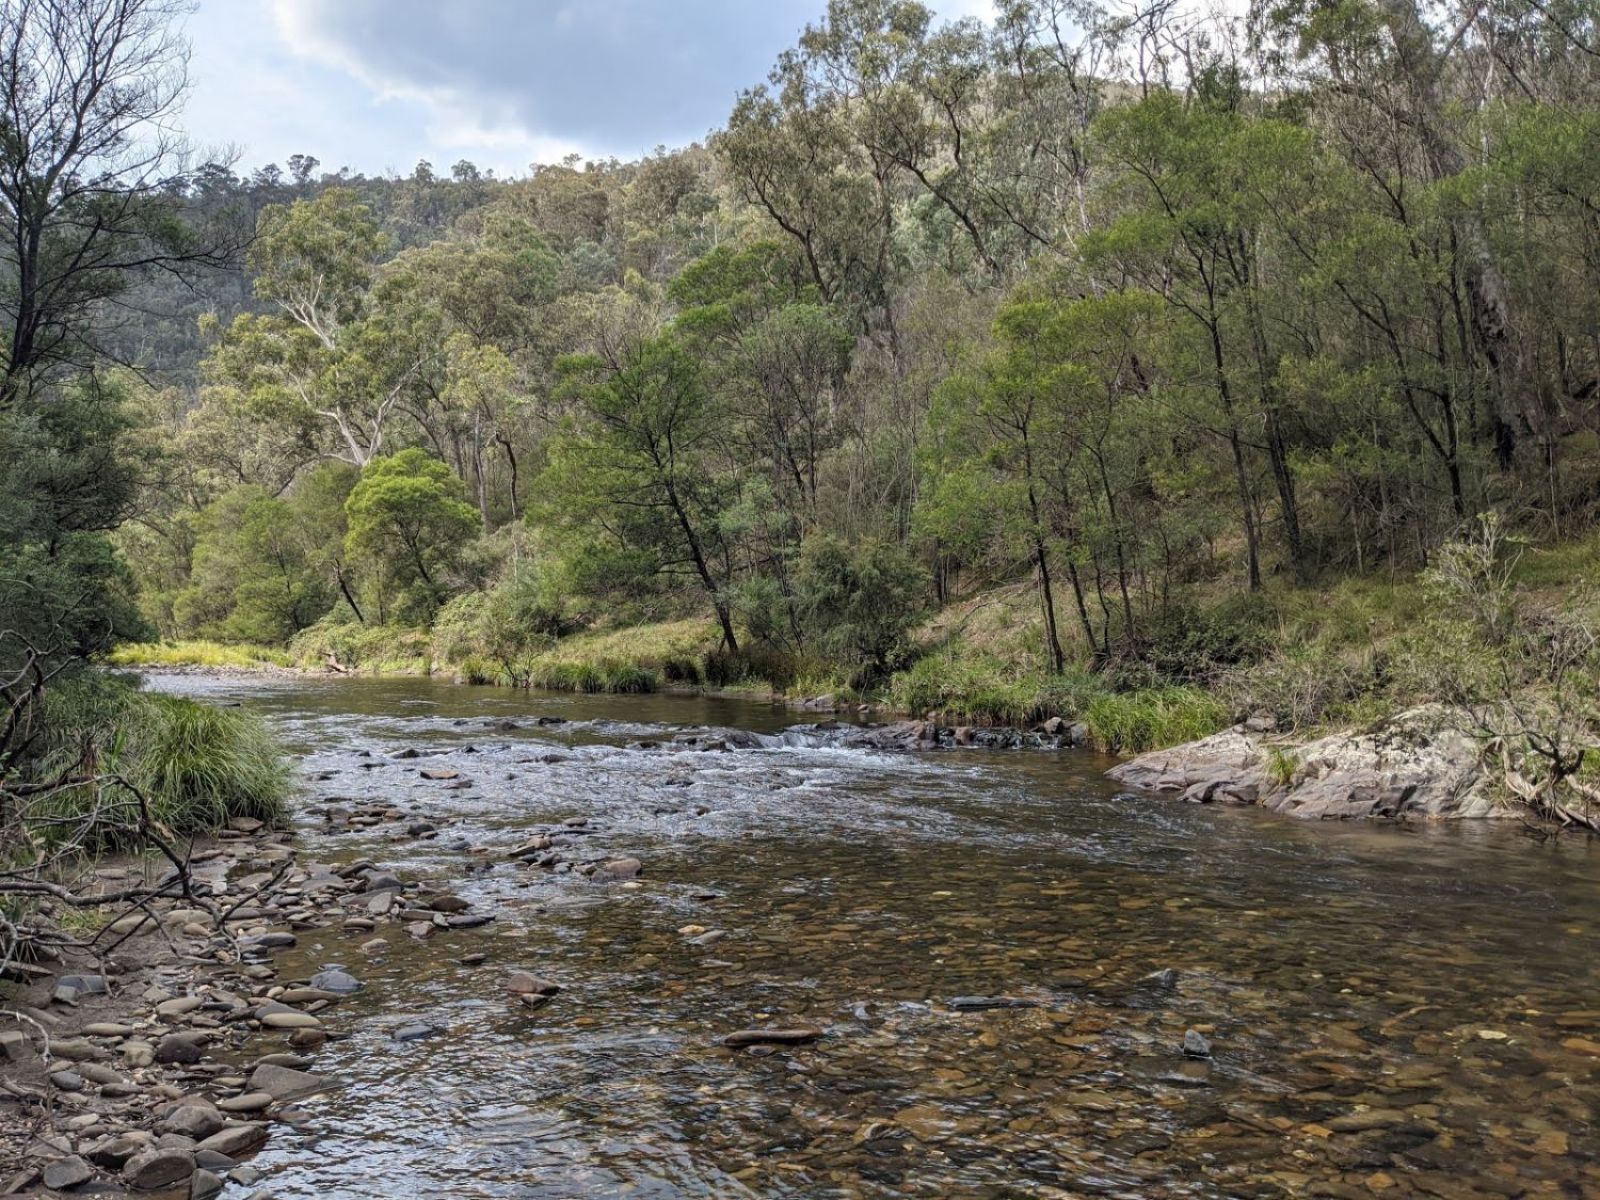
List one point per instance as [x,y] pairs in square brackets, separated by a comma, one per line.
[1388,1011]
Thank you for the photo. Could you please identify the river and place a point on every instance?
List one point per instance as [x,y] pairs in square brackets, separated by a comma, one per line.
[1392,1012]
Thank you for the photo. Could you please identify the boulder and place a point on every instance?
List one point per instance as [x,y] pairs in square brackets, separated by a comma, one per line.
[283,1083]
[1416,766]
[158,1168]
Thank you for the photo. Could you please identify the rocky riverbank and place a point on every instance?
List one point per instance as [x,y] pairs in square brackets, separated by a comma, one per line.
[157,1055]
[1416,766]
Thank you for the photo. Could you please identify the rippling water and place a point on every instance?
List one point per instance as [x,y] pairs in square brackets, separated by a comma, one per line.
[1393,1012]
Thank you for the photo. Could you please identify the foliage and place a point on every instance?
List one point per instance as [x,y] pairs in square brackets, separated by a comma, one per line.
[408,522]
[857,604]
[198,766]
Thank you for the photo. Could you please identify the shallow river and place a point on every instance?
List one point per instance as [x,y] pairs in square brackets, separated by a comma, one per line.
[1391,1012]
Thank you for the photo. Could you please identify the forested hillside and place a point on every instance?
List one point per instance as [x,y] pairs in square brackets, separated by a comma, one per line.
[1008,366]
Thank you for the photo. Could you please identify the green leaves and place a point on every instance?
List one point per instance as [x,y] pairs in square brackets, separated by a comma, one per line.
[409,523]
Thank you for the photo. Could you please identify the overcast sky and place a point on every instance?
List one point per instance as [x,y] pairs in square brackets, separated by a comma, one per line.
[377,84]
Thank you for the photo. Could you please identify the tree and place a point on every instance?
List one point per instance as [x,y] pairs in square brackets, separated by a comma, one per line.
[642,466]
[409,521]
[90,179]
[321,362]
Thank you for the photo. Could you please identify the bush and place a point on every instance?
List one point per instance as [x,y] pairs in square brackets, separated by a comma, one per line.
[858,603]
[985,691]
[1191,645]
[751,665]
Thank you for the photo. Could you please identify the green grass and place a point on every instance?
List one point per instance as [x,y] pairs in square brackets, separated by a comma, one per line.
[197,654]
[203,766]
[198,766]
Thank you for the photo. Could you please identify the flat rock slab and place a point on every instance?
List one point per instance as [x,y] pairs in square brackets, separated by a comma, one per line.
[283,1083]
[1414,766]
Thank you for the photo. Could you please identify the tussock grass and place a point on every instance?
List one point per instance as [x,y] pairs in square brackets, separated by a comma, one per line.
[198,766]
[1152,718]
[197,654]
[203,766]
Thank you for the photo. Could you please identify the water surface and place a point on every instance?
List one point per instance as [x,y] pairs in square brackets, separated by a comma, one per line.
[1392,1012]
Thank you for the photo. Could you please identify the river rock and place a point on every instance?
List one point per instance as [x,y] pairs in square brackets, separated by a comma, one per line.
[158,1168]
[1195,1044]
[618,870]
[337,980]
[196,1119]
[247,1103]
[524,983]
[67,1173]
[1417,765]
[205,1185]
[236,1140]
[791,1036]
[183,1049]
[284,1083]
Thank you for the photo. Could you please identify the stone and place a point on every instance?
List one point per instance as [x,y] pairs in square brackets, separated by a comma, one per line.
[1195,1044]
[236,1140]
[980,1003]
[14,1045]
[1418,764]
[247,1103]
[791,1036]
[284,1083]
[524,983]
[618,870]
[197,1120]
[77,1050]
[416,1031]
[337,980]
[179,1006]
[379,881]
[180,1048]
[158,1168]
[67,1173]
[1371,1118]
[205,1185]
[290,1020]
[113,1152]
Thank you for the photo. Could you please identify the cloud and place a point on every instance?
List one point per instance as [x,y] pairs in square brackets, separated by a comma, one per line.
[612,77]
[378,84]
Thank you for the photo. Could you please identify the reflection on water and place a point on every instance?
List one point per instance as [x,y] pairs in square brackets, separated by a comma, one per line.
[1392,1012]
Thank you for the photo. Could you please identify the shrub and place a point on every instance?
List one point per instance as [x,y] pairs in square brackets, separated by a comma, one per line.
[858,603]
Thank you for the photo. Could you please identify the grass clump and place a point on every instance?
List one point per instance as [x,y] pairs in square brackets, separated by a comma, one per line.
[197,766]
[203,766]
[197,654]
[1153,718]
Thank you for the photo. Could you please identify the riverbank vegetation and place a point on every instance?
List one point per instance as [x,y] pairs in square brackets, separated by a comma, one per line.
[101,218]
[1127,365]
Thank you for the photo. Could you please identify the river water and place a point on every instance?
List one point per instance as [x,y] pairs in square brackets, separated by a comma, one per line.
[1391,1012]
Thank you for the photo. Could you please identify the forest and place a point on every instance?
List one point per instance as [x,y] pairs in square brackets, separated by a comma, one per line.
[1107,362]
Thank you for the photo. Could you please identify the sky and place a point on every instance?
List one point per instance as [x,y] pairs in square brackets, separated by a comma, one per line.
[376,85]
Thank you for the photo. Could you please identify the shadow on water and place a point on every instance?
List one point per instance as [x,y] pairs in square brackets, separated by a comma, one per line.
[1395,1012]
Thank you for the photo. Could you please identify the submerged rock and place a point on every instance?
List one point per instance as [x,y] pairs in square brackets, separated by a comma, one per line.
[792,1036]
